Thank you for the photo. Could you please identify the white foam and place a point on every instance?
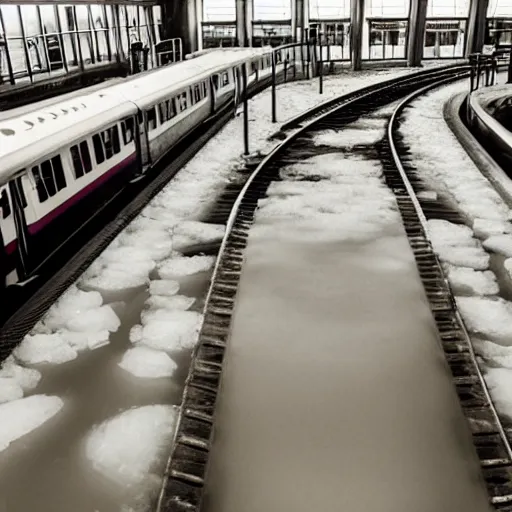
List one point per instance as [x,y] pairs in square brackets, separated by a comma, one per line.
[168,330]
[130,448]
[165,287]
[183,266]
[468,280]
[148,363]
[44,348]
[501,244]
[27,378]
[25,415]
[489,317]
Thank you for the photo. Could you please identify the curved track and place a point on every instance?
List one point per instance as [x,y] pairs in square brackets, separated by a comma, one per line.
[185,476]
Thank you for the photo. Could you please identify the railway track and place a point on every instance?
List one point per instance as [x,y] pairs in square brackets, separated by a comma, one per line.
[188,464]
[26,307]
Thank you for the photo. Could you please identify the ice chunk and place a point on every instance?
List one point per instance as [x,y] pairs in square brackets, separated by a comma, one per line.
[25,415]
[508,266]
[490,317]
[72,303]
[468,280]
[485,228]
[499,354]
[472,257]
[181,302]
[44,348]
[348,137]
[499,381]
[501,244]
[156,243]
[99,319]
[444,233]
[193,232]
[27,378]
[9,390]
[183,266]
[130,447]
[169,330]
[86,340]
[164,287]
[149,363]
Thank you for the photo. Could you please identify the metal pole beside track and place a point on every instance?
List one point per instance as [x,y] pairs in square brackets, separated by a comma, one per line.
[509,77]
[274,114]
[321,65]
[246,109]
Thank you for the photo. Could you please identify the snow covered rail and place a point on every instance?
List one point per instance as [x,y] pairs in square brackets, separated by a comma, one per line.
[417,207]
[187,467]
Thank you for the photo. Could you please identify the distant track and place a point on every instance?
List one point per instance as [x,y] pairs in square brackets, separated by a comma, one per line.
[188,463]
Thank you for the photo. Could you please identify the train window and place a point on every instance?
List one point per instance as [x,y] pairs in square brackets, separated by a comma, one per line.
[215,79]
[197,93]
[182,101]
[5,204]
[111,141]
[81,159]
[58,172]
[128,129]
[205,89]
[151,113]
[167,110]
[98,149]
[225,79]
[49,178]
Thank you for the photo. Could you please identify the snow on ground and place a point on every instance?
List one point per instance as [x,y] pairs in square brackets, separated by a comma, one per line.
[130,450]
[19,417]
[350,202]
[452,173]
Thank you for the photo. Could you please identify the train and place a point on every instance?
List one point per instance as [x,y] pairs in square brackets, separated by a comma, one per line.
[62,164]
[488,115]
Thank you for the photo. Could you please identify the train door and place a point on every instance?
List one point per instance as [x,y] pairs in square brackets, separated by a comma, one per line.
[27,261]
[14,261]
[143,142]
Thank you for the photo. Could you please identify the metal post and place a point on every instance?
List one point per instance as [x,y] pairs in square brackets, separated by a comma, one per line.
[321,66]
[274,114]
[246,109]
[509,77]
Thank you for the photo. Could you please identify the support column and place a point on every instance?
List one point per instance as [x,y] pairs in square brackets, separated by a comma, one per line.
[244,10]
[416,38]
[476,26]
[300,19]
[356,33]
[182,18]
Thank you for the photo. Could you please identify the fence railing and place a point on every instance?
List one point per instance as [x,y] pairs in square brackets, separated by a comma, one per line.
[484,68]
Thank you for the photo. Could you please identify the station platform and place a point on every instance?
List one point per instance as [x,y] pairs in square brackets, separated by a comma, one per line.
[335,391]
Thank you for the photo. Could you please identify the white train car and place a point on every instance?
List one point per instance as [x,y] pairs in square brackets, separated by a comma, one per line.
[59,166]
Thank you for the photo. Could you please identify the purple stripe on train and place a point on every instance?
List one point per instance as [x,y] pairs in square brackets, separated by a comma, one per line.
[59,210]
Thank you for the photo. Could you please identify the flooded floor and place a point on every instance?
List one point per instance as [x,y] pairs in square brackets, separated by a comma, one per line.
[335,393]
[47,470]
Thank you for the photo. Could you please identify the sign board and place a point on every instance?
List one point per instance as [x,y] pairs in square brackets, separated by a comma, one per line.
[487,49]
